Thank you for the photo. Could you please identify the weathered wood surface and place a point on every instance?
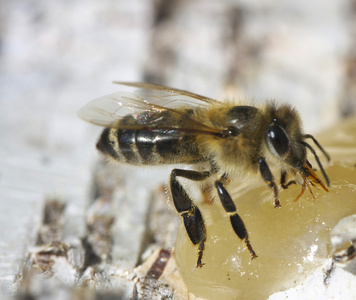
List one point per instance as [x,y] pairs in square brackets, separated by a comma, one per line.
[55,56]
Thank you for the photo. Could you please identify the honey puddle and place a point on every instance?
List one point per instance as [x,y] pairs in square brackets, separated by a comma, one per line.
[290,242]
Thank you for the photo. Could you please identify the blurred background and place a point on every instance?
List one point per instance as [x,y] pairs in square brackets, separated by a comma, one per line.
[55,56]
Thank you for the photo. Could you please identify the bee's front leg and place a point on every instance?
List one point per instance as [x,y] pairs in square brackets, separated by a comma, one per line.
[192,217]
[285,185]
[236,222]
[269,179]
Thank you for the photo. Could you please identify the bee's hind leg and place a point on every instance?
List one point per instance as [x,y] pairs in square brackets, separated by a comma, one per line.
[236,222]
[192,217]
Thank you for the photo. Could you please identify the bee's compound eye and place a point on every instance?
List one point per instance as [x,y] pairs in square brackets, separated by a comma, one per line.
[277,141]
[234,131]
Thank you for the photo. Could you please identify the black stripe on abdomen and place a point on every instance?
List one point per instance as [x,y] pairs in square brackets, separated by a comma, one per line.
[145,144]
[167,146]
[126,139]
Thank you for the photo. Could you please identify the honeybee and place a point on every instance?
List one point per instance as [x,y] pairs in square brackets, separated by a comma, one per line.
[158,125]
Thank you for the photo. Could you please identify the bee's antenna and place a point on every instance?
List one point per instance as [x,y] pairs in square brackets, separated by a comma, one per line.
[309,136]
[317,159]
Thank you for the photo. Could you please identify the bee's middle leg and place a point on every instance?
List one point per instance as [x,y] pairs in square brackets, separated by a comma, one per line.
[236,221]
[192,217]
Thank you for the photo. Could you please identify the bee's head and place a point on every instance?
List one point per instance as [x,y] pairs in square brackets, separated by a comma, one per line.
[286,142]
[284,135]
[282,147]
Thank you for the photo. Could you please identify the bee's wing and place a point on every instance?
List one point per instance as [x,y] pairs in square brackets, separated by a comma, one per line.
[131,111]
[147,88]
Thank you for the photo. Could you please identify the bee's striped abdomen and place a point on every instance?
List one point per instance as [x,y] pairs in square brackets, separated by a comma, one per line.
[147,147]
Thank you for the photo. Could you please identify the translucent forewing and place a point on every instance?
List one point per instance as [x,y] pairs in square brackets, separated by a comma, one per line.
[150,109]
[192,97]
